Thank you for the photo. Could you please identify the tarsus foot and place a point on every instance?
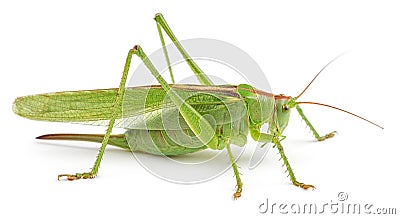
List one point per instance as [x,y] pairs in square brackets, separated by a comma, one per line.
[237,195]
[71,177]
[238,192]
[330,135]
[303,186]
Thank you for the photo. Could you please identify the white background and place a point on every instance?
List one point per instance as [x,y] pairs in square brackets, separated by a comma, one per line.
[47,46]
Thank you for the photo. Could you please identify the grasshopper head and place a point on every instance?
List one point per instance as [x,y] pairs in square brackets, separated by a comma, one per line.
[283,105]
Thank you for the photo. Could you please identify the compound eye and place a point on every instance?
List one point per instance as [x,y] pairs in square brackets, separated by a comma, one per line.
[285,107]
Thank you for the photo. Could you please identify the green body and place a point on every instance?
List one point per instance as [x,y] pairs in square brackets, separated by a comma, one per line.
[169,119]
[234,110]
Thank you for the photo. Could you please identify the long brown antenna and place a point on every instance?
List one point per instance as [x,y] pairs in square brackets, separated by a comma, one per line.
[322,104]
[318,74]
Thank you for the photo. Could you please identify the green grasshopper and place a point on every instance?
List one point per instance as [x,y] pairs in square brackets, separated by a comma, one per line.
[192,102]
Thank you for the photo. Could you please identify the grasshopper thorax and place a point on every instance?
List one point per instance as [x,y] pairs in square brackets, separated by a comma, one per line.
[264,107]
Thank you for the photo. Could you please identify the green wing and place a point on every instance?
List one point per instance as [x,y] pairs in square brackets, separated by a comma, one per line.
[147,107]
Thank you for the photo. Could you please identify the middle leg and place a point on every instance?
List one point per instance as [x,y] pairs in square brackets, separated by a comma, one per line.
[289,169]
[239,184]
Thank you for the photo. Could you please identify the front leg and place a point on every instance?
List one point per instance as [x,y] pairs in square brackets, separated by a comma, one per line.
[315,133]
